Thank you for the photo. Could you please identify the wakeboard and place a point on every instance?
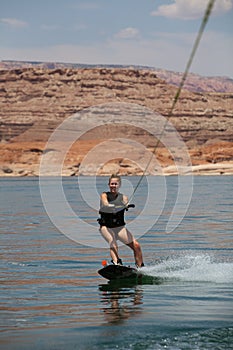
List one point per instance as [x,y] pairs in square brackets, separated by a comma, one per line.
[116,272]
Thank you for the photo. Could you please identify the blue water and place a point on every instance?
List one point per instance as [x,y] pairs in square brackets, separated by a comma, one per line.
[53,298]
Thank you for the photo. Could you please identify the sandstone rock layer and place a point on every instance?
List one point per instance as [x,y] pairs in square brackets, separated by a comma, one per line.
[35,101]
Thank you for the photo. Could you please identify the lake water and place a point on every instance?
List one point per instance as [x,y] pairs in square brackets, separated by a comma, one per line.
[53,298]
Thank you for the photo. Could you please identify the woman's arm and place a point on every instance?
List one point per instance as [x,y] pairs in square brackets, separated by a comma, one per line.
[104,201]
[125,200]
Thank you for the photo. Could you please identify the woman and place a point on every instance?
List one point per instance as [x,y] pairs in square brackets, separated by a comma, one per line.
[112,225]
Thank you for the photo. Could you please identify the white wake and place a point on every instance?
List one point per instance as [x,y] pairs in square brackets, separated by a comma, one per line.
[190,267]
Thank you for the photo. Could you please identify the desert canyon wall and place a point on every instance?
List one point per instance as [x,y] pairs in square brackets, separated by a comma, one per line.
[35,101]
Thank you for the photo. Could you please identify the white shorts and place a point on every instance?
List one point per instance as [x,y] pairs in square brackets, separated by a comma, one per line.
[112,235]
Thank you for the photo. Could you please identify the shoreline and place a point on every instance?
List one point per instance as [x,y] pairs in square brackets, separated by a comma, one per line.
[223,169]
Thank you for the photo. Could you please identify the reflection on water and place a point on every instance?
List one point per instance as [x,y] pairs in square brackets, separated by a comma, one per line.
[120,303]
[51,297]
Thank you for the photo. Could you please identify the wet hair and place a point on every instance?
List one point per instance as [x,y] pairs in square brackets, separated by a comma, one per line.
[115,176]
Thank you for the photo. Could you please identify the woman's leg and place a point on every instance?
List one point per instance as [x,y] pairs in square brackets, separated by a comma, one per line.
[127,238]
[135,246]
[109,236]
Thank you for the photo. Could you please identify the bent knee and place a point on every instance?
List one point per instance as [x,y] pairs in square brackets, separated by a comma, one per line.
[113,244]
[134,245]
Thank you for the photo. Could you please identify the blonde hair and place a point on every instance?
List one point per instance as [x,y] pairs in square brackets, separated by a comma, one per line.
[115,176]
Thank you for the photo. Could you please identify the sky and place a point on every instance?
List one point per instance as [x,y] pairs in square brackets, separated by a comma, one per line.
[155,33]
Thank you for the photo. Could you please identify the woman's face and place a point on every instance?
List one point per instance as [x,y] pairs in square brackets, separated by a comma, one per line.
[114,185]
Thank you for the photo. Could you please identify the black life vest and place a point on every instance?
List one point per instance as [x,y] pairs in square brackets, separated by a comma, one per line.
[112,216]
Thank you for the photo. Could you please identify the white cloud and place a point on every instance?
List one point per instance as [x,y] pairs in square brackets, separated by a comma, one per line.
[191,9]
[166,50]
[222,6]
[128,33]
[14,23]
